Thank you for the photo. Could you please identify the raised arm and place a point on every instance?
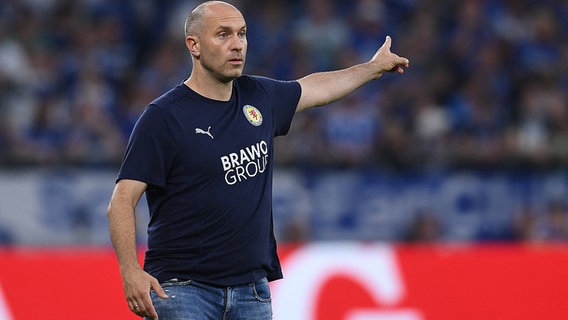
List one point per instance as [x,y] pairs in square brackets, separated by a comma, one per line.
[322,88]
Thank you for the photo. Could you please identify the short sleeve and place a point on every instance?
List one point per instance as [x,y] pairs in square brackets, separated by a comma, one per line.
[150,150]
[284,97]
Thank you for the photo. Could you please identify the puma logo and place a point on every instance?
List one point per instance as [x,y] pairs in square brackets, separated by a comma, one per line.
[197,130]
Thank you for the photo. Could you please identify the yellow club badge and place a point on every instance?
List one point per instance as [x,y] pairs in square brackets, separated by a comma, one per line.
[253,115]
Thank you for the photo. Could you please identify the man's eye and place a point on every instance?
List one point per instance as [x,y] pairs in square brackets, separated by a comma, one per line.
[242,34]
[222,35]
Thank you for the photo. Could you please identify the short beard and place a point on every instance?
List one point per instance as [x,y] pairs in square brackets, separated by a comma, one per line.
[223,78]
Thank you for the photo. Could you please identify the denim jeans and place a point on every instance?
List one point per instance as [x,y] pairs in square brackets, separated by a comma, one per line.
[191,300]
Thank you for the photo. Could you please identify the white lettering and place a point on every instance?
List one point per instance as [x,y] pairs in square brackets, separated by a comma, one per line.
[226,163]
[230,177]
[254,151]
[373,267]
[234,159]
[244,157]
[246,163]
[249,170]
[255,166]
[262,168]
[264,147]
[241,173]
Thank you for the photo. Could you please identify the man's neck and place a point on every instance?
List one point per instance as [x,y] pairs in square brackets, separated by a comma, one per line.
[214,90]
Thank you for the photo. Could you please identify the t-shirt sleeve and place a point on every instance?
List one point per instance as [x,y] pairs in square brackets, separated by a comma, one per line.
[284,97]
[150,150]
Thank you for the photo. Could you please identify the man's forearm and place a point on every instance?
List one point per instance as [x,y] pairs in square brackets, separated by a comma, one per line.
[122,226]
[122,221]
[326,87]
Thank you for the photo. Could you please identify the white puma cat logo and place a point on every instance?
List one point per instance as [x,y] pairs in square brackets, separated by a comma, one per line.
[197,130]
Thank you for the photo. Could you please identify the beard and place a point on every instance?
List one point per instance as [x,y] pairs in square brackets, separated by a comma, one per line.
[225,72]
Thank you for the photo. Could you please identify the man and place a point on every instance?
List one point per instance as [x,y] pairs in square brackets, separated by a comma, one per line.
[202,152]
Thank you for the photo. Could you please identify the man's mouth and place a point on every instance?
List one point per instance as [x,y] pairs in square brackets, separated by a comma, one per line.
[236,61]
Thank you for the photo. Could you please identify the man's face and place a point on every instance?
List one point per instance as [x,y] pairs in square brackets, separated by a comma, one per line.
[223,43]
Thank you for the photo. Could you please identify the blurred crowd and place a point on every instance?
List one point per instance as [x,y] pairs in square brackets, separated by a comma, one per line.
[487,86]
[528,224]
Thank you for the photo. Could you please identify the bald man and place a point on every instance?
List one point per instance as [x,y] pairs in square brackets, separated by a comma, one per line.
[203,154]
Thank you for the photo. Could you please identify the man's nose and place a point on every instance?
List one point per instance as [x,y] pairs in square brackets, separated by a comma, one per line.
[238,43]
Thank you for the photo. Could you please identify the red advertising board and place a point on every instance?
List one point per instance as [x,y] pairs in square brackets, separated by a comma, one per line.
[378,282]
[331,281]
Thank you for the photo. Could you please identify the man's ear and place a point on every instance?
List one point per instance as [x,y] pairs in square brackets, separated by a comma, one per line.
[192,44]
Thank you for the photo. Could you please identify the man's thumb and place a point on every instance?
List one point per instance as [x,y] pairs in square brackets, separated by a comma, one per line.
[387,43]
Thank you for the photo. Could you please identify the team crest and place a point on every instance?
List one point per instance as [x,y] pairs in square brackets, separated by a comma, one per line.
[253,115]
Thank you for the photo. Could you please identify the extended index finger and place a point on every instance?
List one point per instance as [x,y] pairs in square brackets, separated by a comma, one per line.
[149,310]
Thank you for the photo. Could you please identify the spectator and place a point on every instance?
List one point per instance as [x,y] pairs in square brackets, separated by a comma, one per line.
[492,74]
[555,226]
[322,34]
[524,226]
[424,227]
[351,130]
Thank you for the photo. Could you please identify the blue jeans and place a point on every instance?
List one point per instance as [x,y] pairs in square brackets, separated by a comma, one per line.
[191,300]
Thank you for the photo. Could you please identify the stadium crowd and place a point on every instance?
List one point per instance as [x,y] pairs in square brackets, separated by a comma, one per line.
[487,87]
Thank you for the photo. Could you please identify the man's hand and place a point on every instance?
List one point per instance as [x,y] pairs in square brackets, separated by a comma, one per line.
[386,61]
[321,88]
[137,285]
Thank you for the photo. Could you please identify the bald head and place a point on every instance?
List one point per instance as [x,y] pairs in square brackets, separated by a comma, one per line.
[194,22]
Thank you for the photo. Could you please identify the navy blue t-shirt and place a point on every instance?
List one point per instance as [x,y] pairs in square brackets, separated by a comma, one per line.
[208,165]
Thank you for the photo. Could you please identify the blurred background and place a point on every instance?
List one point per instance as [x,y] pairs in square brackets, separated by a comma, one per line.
[469,145]
[446,184]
